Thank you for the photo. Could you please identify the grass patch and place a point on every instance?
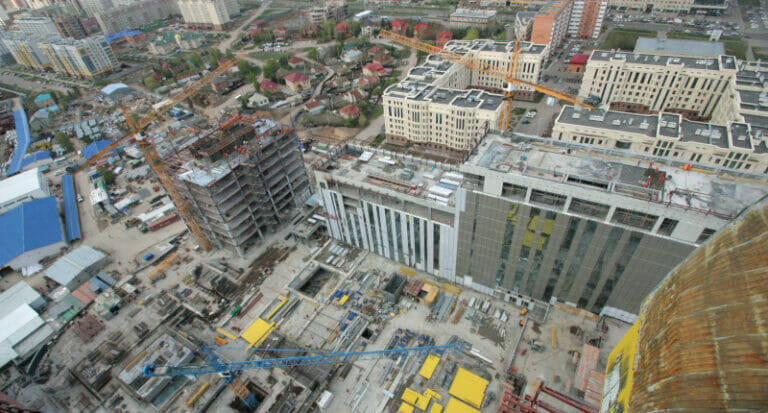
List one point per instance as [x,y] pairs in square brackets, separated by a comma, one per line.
[268,55]
[760,53]
[379,139]
[737,48]
[376,112]
[624,38]
[519,111]
[687,36]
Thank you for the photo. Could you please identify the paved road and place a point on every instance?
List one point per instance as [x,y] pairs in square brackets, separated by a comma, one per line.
[235,35]
[29,85]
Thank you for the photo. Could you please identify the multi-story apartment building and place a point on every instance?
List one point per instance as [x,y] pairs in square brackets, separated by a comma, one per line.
[431,106]
[41,26]
[651,83]
[240,182]
[70,26]
[523,25]
[734,145]
[529,223]
[135,15]
[550,25]
[93,7]
[586,19]
[89,57]
[25,50]
[471,17]
[211,13]
[685,6]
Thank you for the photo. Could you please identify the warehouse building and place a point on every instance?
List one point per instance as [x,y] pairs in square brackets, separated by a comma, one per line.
[77,267]
[22,331]
[23,187]
[31,231]
[528,224]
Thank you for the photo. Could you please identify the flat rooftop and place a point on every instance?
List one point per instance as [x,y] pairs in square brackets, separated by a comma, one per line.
[418,178]
[708,192]
[680,47]
[717,63]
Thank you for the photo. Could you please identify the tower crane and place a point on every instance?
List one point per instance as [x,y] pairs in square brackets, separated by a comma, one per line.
[231,370]
[487,68]
[153,157]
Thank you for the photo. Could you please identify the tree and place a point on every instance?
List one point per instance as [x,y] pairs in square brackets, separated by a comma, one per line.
[196,61]
[230,55]
[216,53]
[283,60]
[472,34]
[314,54]
[329,28]
[362,120]
[355,28]
[351,123]
[245,67]
[336,49]
[151,83]
[270,69]
[106,174]
[63,140]
[501,37]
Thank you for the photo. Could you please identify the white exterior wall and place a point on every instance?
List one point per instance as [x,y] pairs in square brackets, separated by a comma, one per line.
[213,12]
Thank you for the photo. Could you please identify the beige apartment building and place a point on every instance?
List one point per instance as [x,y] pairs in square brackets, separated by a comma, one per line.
[213,13]
[654,82]
[433,107]
[686,6]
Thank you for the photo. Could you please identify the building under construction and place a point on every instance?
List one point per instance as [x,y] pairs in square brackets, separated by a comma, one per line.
[240,179]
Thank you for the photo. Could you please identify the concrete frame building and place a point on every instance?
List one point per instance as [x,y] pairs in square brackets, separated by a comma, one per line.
[563,18]
[26,50]
[70,26]
[587,18]
[528,224]
[93,7]
[550,25]
[210,13]
[241,182]
[431,106]
[685,6]
[651,83]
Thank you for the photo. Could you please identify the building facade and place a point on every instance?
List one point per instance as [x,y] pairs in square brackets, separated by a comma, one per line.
[432,107]
[213,13]
[41,26]
[471,17]
[586,19]
[241,182]
[550,25]
[526,225]
[93,7]
[70,26]
[26,50]
[650,83]
[89,57]
[135,16]
[685,6]
[559,19]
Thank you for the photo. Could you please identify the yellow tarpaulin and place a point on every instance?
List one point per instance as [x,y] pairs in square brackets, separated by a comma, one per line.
[257,332]
[415,398]
[226,334]
[455,406]
[405,408]
[436,408]
[429,366]
[469,388]
[276,309]
[344,300]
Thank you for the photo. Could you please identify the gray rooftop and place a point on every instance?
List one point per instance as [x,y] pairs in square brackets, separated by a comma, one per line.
[724,62]
[679,47]
[66,268]
[645,124]
[754,100]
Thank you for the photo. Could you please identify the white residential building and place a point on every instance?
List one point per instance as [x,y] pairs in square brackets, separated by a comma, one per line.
[94,7]
[685,6]
[214,13]
[653,82]
[88,57]
[432,107]
[42,26]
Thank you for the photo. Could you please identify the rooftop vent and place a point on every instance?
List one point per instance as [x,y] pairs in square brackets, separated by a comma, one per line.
[643,125]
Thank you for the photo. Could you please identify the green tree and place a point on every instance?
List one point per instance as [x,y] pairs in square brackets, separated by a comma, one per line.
[63,140]
[362,120]
[229,54]
[351,123]
[355,28]
[472,34]
[501,37]
[216,53]
[336,49]
[151,83]
[106,174]
[283,60]
[314,54]
[329,29]
[196,60]
[245,67]
[270,69]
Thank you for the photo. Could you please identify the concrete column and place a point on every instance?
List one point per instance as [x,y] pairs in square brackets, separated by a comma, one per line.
[528,193]
[611,210]
[567,203]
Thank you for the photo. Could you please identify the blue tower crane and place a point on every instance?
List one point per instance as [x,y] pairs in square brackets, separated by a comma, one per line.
[231,370]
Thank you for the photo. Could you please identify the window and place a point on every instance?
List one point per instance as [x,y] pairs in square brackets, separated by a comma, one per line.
[705,234]
[624,145]
[591,209]
[633,218]
[547,198]
[513,191]
[668,226]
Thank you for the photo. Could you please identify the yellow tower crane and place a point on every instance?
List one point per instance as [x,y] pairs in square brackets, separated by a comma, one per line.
[152,156]
[487,68]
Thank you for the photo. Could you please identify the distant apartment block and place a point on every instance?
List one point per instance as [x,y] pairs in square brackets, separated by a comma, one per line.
[686,6]
[42,26]
[210,13]
[432,107]
[471,17]
[135,16]
[651,83]
[241,181]
[331,10]
[89,57]
[70,26]
[26,50]
[586,19]
[93,7]
[562,18]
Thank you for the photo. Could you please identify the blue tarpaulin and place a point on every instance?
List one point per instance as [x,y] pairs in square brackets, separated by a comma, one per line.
[29,226]
[126,33]
[95,147]
[71,219]
[22,141]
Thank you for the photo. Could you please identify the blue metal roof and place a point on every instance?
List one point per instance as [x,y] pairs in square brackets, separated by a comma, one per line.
[32,158]
[42,97]
[71,219]
[29,226]
[112,37]
[22,141]
[93,148]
